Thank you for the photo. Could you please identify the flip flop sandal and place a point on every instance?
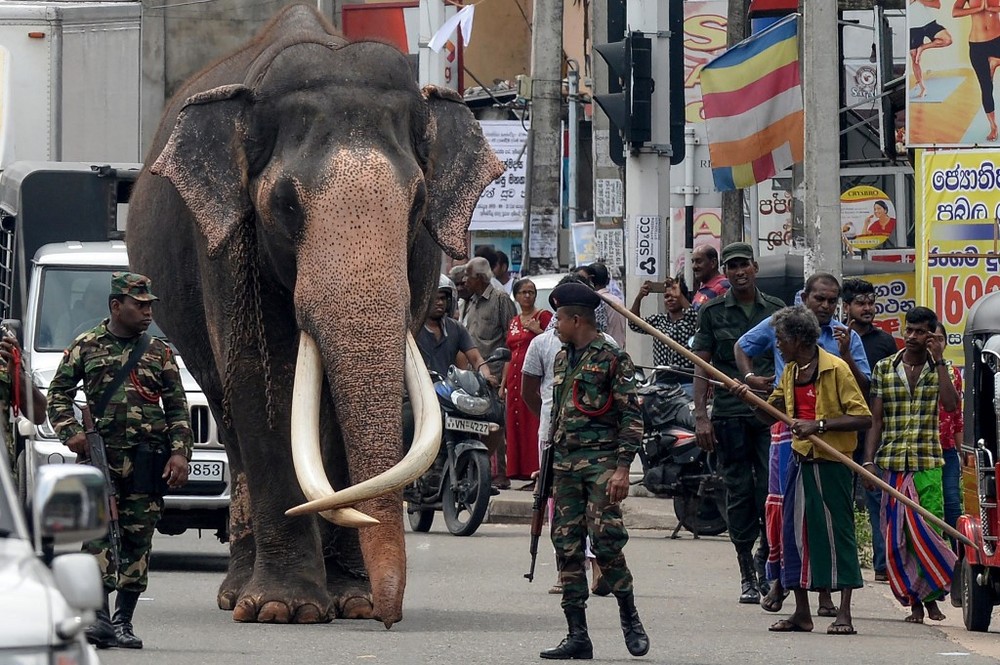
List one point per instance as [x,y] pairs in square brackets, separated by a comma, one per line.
[827,611]
[769,604]
[786,626]
[841,629]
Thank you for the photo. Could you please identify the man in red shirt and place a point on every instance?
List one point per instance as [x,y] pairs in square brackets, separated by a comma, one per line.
[708,279]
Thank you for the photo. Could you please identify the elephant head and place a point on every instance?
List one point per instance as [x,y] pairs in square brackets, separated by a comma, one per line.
[335,168]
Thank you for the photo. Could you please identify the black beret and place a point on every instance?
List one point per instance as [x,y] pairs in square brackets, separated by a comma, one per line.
[574,294]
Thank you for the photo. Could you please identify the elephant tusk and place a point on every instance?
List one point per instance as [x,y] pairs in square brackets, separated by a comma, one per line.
[423,451]
[306,455]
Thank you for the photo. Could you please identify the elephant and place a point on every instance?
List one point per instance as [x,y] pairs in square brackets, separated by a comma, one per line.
[291,214]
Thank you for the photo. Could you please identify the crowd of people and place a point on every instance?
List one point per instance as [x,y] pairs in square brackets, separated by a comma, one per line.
[494,309]
[790,505]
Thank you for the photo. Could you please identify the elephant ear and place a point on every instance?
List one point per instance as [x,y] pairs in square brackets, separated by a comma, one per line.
[462,164]
[205,159]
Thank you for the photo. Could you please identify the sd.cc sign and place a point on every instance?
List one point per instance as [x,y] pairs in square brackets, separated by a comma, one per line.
[647,248]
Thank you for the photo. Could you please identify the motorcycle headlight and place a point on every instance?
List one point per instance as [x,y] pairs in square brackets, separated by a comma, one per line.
[466,403]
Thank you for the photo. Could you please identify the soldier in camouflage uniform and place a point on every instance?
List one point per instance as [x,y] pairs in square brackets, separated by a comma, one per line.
[596,430]
[148,407]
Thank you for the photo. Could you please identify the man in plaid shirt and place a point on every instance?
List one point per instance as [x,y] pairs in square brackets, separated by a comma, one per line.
[907,390]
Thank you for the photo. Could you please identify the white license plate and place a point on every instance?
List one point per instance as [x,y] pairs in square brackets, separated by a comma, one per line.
[202,472]
[464,425]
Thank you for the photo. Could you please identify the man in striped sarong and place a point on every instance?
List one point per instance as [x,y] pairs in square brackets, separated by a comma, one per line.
[818,544]
[906,392]
[820,296]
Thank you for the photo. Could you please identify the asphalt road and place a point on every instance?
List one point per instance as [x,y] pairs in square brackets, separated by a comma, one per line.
[466,602]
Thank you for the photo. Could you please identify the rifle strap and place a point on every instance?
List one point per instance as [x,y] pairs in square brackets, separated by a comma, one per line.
[133,359]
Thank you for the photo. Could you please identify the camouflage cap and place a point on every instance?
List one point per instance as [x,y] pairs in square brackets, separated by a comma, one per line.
[132,284]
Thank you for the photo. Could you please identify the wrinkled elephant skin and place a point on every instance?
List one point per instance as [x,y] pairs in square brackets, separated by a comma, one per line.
[306,186]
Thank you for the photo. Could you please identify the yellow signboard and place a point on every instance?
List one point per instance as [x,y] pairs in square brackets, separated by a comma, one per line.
[895,295]
[959,245]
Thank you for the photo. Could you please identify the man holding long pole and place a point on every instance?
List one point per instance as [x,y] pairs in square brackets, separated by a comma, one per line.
[729,383]
[903,442]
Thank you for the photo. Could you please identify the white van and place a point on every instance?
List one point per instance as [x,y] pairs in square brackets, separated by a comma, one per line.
[68,295]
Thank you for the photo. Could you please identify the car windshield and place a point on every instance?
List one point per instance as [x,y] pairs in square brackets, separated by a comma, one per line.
[72,302]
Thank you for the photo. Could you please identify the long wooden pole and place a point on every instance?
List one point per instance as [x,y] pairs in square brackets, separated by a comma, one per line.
[759,403]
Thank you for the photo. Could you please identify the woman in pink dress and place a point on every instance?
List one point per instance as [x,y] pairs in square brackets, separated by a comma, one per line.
[522,425]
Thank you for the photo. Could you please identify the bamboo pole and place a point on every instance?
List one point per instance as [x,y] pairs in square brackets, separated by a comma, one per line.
[759,403]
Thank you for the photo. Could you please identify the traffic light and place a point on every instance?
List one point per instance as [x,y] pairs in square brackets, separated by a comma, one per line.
[675,51]
[630,110]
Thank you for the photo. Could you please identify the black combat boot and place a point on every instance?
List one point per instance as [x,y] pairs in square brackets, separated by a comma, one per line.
[749,593]
[101,634]
[760,565]
[577,644]
[124,609]
[636,639]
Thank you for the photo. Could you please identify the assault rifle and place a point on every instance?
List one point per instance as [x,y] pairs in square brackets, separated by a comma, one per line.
[543,490]
[97,456]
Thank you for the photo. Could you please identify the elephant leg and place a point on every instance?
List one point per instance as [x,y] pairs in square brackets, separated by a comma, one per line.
[346,579]
[288,582]
[242,550]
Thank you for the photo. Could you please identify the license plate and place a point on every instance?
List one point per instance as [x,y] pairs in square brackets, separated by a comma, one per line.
[202,472]
[464,425]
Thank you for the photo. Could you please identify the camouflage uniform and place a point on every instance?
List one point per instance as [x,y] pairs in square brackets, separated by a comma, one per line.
[148,406]
[596,427]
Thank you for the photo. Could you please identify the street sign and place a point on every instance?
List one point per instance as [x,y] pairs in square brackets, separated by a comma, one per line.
[647,247]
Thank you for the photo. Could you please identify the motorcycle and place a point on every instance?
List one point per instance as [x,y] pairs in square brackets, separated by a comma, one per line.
[673,465]
[459,482]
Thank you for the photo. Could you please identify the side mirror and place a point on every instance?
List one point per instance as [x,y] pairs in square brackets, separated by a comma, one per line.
[69,504]
[78,578]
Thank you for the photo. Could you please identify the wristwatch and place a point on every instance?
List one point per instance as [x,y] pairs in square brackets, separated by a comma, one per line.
[822,426]
[942,363]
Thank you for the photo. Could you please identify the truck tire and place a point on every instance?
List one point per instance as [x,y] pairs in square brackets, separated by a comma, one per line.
[977,601]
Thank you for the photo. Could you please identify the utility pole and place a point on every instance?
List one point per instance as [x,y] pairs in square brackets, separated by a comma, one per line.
[732,201]
[430,63]
[647,172]
[820,80]
[543,221]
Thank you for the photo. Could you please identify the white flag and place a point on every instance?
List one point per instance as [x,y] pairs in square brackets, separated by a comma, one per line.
[463,17]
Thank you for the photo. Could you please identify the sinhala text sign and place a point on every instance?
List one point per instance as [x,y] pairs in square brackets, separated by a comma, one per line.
[960,260]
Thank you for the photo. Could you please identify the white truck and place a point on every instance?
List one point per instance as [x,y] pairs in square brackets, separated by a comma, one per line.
[70,217]
[74,84]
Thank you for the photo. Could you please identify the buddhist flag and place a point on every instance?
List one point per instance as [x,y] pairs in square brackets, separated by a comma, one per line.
[752,99]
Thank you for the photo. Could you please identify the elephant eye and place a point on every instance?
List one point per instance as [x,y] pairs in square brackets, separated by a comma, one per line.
[285,206]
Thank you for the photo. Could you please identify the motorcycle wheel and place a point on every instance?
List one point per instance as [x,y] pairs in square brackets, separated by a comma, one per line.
[464,504]
[709,518]
[421,520]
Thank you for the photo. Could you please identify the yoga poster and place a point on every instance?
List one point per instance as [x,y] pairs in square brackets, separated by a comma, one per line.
[954,52]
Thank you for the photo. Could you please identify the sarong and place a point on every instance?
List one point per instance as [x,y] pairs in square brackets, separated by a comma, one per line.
[778,456]
[919,561]
[819,546]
